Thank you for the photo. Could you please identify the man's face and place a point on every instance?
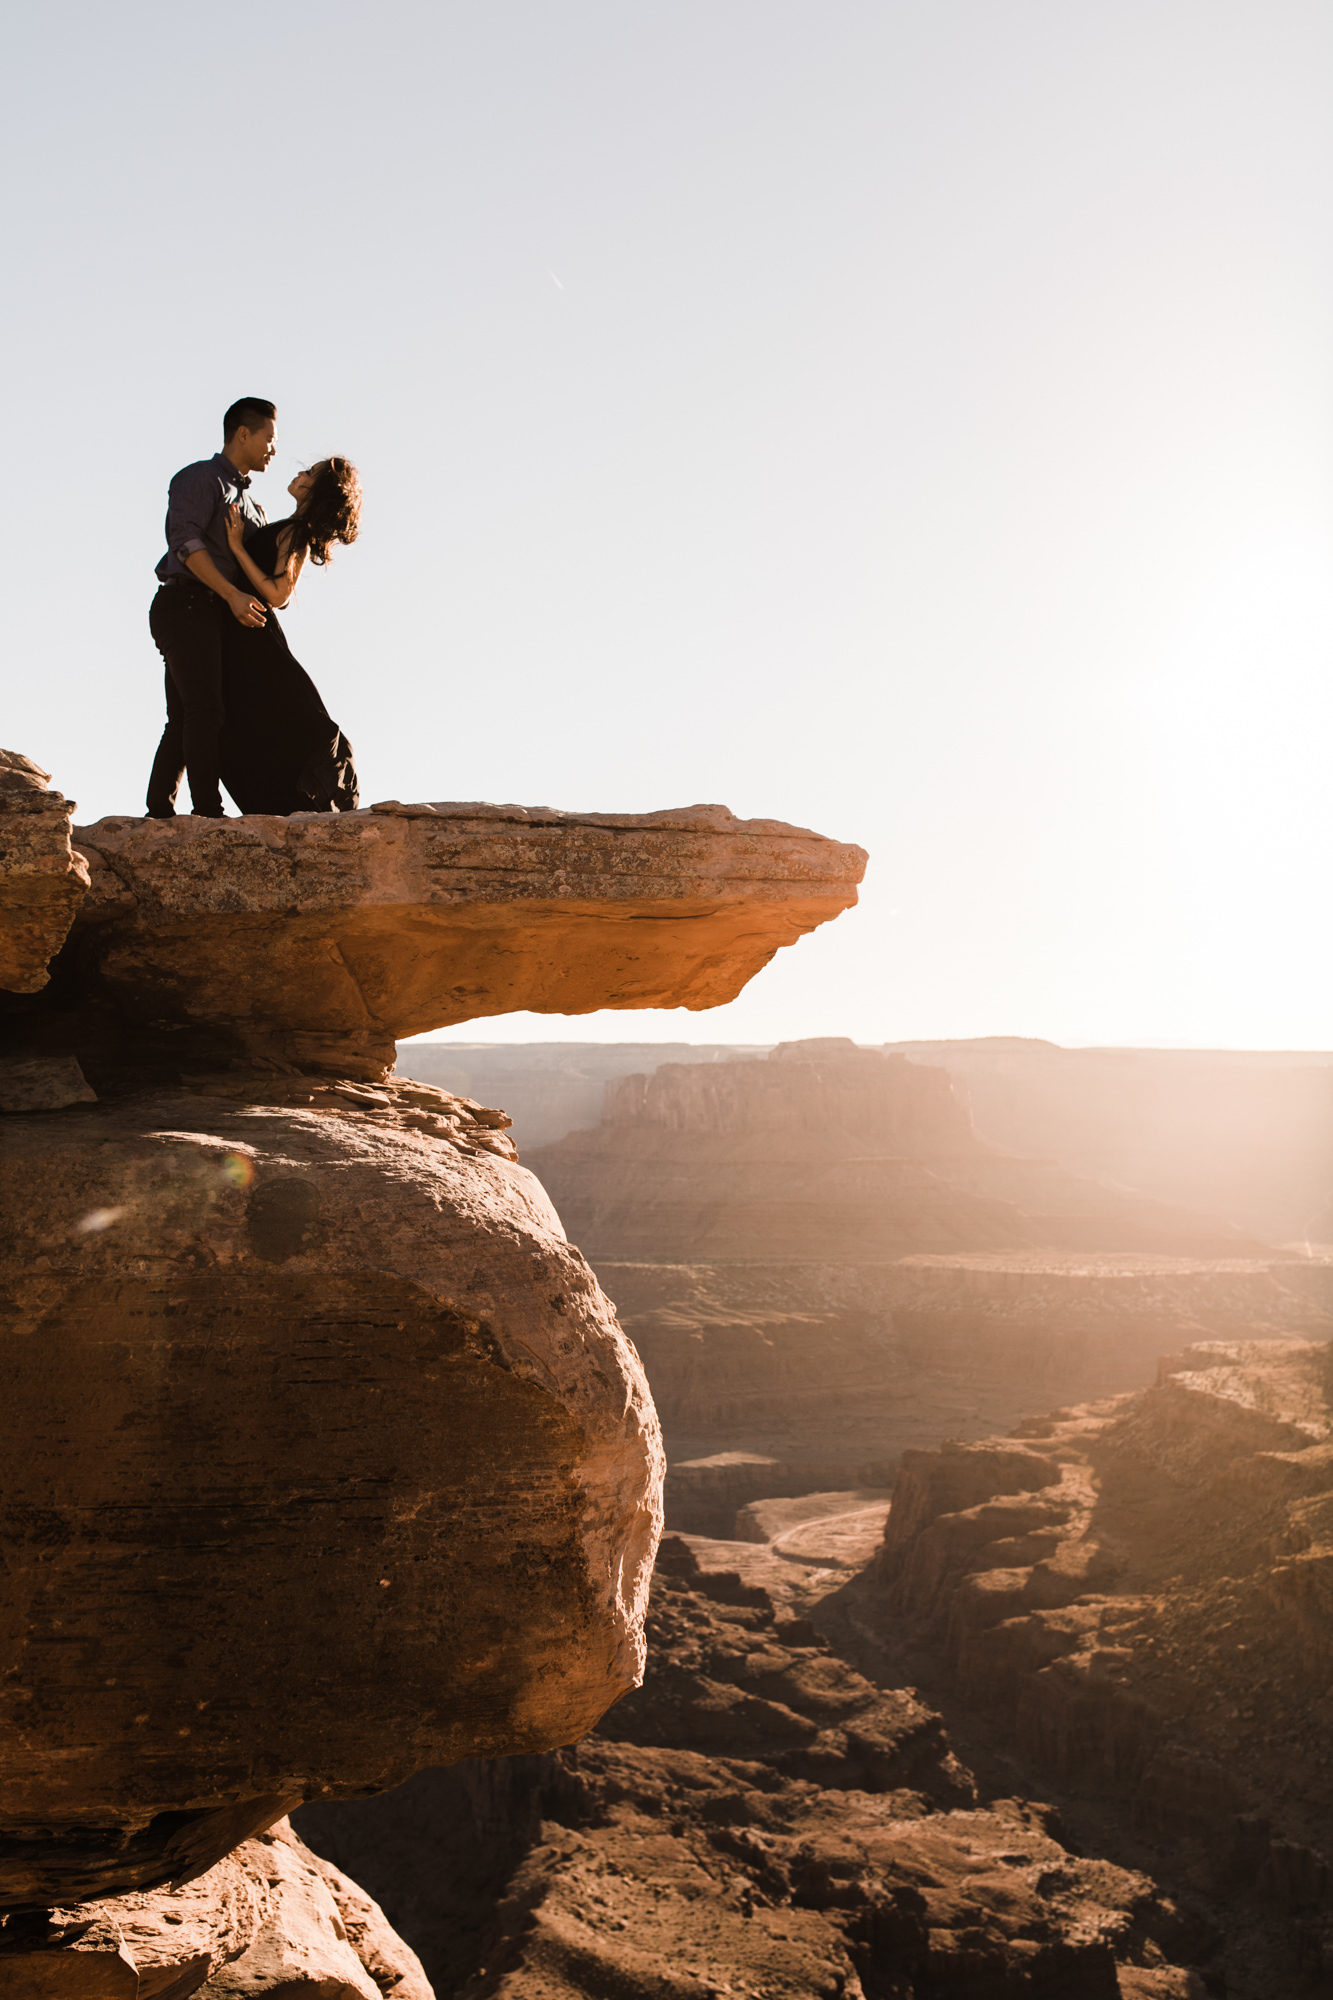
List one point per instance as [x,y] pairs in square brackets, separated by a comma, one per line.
[251,451]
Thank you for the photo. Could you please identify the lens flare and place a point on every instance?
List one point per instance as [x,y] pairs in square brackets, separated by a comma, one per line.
[238,1170]
[98,1219]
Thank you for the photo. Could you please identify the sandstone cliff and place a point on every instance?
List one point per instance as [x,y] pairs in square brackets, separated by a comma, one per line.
[42,881]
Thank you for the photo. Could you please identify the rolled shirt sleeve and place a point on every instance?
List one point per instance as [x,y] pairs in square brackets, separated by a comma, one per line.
[192,500]
[197,502]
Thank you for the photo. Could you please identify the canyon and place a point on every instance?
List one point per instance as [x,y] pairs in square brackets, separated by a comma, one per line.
[1241,1133]
[984,1654]
[821,1264]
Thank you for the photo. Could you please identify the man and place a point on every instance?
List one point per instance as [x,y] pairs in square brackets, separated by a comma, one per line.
[200,583]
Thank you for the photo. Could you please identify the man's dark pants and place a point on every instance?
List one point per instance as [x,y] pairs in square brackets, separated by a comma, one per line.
[186,624]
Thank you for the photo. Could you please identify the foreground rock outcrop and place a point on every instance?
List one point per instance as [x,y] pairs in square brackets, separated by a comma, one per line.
[273,1918]
[335,1464]
[320,939]
[42,881]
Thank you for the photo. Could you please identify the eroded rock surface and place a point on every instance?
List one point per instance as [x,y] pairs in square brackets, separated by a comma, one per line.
[335,1464]
[323,937]
[42,881]
[758,1818]
[272,1918]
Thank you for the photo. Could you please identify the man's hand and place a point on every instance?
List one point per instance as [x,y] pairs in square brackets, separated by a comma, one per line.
[246,610]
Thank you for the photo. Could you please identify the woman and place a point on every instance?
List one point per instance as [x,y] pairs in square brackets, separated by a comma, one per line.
[282,752]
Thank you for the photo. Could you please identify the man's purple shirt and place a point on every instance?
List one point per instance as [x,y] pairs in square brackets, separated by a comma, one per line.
[197,503]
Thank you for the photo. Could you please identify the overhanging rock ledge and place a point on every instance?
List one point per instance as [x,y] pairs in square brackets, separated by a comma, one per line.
[324,938]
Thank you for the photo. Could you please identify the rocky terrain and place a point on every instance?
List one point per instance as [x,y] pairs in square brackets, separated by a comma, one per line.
[1240,1133]
[549,1088]
[823,1150]
[272,1918]
[759,1819]
[1064,1730]
[335,1461]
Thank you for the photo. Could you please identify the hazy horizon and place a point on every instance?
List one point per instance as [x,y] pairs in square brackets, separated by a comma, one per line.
[525,1033]
[911,423]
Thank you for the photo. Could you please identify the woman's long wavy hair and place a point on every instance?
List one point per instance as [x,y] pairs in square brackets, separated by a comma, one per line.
[330,512]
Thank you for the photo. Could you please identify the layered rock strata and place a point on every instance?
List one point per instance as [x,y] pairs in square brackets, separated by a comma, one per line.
[335,1464]
[320,939]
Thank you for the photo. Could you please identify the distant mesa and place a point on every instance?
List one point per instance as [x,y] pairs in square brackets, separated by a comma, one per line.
[825,1150]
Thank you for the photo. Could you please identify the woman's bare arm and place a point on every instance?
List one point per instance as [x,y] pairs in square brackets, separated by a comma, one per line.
[275,590]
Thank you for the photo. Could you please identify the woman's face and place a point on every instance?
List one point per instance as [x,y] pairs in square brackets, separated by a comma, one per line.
[301,487]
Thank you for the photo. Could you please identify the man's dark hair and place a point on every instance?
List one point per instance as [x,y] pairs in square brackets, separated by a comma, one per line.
[249,413]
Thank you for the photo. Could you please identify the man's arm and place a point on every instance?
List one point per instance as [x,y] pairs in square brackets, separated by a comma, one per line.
[191,503]
[244,608]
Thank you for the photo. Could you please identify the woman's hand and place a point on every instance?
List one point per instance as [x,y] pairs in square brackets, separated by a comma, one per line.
[235,529]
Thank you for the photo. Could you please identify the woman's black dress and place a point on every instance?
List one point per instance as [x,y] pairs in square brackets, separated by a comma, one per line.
[282,752]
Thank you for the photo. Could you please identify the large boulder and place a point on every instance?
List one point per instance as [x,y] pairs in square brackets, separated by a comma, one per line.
[334,1464]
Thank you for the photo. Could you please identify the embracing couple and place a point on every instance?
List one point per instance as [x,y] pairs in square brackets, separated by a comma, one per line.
[241,711]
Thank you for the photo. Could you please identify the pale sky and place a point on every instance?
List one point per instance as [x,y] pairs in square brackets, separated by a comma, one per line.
[913,421]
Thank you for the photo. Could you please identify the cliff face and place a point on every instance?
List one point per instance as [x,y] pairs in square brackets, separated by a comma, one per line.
[1137,1595]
